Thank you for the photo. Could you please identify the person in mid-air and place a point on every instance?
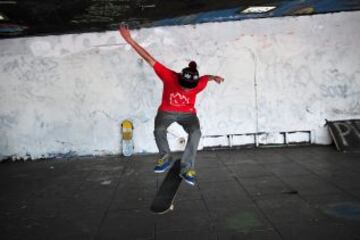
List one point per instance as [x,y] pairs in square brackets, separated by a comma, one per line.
[178,100]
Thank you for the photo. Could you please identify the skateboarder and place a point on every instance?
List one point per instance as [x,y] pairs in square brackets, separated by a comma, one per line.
[178,100]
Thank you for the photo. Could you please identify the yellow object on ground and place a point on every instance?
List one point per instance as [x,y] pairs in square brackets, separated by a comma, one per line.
[127,130]
[127,142]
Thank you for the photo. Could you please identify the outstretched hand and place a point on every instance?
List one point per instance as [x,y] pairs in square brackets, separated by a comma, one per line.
[125,33]
[218,79]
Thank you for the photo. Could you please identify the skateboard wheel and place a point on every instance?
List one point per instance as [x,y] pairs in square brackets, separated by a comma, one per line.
[172,207]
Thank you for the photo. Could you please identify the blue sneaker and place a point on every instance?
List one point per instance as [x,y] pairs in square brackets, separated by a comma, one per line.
[162,164]
[189,177]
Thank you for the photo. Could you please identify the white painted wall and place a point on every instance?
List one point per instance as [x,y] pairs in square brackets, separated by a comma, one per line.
[68,94]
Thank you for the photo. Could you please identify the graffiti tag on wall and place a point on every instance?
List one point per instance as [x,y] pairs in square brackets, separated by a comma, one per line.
[346,135]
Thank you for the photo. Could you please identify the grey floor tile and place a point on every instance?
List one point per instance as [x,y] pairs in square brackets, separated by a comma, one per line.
[84,219]
[265,185]
[80,225]
[316,232]
[347,212]
[240,216]
[187,235]
[356,193]
[214,204]
[128,197]
[311,185]
[320,200]
[127,224]
[253,235]
[289,209]
[136,178]
[207,155]
[222,190]
[347,181]
[269,156]
[214,174]
[208,162]
[287,169]
[189,215]
[234,158]
[249,170]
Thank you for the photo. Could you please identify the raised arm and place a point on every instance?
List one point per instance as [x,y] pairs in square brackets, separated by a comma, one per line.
[125,33]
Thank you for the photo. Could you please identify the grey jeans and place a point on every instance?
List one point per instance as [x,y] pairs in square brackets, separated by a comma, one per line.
[190,123]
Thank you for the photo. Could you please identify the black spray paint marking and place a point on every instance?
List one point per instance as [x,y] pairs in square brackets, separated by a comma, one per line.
[346,128]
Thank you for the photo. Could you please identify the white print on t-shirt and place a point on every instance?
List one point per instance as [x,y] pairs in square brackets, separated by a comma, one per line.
[178,100]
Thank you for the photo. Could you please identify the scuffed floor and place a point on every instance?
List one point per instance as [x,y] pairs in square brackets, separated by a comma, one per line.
[302,193]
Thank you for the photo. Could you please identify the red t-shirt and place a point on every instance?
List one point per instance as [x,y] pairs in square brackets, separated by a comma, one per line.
[175,98]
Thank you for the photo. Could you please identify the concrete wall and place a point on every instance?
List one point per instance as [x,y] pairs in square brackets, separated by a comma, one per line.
[66,95]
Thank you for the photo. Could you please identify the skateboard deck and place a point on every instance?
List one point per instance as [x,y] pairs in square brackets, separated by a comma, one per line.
[165,196]
[127,142]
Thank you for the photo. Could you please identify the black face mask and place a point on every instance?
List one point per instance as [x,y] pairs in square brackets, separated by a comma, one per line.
[189,78]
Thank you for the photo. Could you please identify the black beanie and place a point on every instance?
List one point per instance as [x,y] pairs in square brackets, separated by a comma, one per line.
[189,77]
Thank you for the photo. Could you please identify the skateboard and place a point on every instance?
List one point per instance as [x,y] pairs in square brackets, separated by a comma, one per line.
[166,194]
[127,142]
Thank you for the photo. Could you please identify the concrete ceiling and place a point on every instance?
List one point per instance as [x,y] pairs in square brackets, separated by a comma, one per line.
[19,18]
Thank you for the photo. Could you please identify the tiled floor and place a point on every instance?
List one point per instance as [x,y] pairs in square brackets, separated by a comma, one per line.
[303,193]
